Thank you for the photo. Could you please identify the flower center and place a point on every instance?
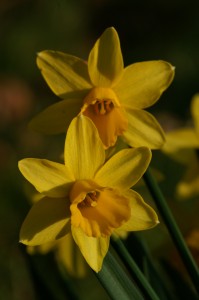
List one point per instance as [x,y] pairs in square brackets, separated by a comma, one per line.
[103,107]
[90,200]
[102,100]
[97,210]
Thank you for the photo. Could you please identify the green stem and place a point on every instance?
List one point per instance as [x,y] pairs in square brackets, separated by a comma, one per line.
[137,274]
[173,229]
[116,282]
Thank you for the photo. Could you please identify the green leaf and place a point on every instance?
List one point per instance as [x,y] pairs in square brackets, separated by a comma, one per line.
[116,281]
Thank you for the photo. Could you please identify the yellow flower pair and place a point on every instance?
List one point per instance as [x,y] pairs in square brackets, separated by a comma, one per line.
[87,195]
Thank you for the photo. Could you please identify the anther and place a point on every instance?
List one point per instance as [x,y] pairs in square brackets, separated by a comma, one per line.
[90,200]
[103,107]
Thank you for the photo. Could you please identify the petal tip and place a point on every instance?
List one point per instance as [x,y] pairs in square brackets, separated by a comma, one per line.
[173,68]
[21,241]
[39,54]
[111,28]
[21,165]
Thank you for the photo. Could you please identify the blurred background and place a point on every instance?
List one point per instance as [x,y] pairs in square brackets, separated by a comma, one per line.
[148,30]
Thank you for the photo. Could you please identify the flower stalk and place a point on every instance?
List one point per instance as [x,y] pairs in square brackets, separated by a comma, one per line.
[173,228]
[116,282]
[137,274]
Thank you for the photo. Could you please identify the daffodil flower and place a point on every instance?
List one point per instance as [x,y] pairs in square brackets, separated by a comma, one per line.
[183,144]
[86,196]
[112,96]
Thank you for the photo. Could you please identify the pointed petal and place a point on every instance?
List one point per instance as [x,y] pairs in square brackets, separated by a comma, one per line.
[63,73]
[142,215]
[183,156]
[143,83]
[48,220]
[84,152]
[57,117]
[105,62]
[181,138]
[93,249]
[189,186]
[124,169]
[50,178]
[41,249]
[181,144]
[143,130]
[195,111]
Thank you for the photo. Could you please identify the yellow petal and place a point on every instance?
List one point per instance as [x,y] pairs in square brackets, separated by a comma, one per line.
[110,211]
[41,249]
[189,186]
[181,138]
[118,233]
[57,117]
[187,190]
[84,152]
[195,111]
[93,249]
[105,62]
[183,156]
[68,254]
[124,169]
[143,130]
[181,144]
[47,221]
[50,178]
[143,83]
[64,73]
[142,215]
[192,239]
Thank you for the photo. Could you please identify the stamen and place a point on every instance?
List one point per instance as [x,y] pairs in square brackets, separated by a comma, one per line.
[103,107]
[108,105]
[90,199]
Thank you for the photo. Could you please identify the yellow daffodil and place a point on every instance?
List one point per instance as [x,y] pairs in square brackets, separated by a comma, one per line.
[112,96]
[183,144]
[86,196]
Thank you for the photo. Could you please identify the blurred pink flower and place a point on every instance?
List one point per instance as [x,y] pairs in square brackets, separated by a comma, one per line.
[15,100]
